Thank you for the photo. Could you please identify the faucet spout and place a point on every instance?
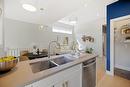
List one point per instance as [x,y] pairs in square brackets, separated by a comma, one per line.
[49,48]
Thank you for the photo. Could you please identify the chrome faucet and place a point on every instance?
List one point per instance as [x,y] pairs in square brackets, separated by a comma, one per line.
[49,49]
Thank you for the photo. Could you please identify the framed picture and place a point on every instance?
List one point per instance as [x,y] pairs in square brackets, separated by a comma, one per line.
[87,38]
[63,40]
[125,31]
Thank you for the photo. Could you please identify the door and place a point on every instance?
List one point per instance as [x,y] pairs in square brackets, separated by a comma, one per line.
[104,32]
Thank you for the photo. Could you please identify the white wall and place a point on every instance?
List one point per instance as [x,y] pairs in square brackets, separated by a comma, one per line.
[122,50]
[1,29]
[20,34]
[94,29]
[1,23]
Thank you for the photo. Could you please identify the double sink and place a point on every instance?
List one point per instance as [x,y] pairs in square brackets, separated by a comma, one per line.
[43,65]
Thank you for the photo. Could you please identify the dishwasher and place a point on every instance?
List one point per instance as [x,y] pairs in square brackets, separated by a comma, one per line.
[89,73]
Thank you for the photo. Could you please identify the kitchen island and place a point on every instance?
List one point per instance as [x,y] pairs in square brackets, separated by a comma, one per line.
[22,75]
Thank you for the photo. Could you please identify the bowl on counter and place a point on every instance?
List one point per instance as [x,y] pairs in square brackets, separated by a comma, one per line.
[8,65]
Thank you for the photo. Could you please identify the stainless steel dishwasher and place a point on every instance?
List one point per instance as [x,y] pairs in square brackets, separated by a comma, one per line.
[89,73]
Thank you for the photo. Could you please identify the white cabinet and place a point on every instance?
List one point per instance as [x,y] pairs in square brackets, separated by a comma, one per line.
[35,84]
[74,80]
[71,77]
[60,84]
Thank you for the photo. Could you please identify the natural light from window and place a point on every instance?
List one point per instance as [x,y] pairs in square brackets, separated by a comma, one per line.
[62,30]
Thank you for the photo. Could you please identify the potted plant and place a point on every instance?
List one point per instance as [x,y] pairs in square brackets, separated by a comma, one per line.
[89,50]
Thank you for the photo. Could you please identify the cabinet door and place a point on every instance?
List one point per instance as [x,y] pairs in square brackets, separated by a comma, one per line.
[75,80]
[59,84]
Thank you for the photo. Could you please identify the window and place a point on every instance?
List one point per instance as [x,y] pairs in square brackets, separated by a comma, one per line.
[67,29]
[62,30]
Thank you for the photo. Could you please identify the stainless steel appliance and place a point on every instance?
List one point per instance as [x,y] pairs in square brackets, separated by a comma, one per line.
[89,73]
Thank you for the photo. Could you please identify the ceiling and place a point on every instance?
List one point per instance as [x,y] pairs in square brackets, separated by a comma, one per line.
[93,10]
[55,10]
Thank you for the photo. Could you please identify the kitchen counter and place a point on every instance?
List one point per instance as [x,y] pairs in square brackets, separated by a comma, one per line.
[22,74]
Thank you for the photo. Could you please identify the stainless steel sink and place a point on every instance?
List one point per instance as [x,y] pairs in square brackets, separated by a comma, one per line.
[42,65]
[62,60]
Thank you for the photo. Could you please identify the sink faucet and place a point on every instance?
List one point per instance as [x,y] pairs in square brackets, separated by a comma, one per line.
[49,49]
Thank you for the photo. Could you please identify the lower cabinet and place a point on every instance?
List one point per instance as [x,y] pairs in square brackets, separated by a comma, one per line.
[74,80]
[71,77]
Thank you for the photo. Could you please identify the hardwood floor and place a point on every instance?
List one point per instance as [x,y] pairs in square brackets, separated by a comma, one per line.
[100,68]
[104,80]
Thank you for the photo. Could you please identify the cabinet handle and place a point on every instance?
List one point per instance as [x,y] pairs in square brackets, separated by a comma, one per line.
[63,85]
[66,84]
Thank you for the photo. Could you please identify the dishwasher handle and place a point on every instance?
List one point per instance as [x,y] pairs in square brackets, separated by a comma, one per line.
[89,65]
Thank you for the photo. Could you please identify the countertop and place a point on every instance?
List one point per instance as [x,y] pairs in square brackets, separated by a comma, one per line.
[22,74]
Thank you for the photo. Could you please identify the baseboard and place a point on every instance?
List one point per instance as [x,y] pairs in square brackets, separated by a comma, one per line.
[109,73]
[123,67]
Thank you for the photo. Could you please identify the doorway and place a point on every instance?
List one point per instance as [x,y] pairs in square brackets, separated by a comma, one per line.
[104,33]
[122,48]
[115,53]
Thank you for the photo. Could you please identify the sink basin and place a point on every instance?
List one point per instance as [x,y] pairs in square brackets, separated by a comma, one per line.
[42,65]
[62,60]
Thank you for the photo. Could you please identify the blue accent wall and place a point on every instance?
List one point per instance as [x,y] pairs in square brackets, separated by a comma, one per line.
[115,10]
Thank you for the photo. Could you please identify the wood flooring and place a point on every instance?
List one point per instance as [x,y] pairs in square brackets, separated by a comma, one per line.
[104,80]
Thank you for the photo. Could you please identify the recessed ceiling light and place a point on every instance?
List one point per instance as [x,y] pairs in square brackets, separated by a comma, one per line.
[29,7]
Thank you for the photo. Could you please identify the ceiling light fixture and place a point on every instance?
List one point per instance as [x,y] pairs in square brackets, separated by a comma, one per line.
[45,27]
[29,7]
